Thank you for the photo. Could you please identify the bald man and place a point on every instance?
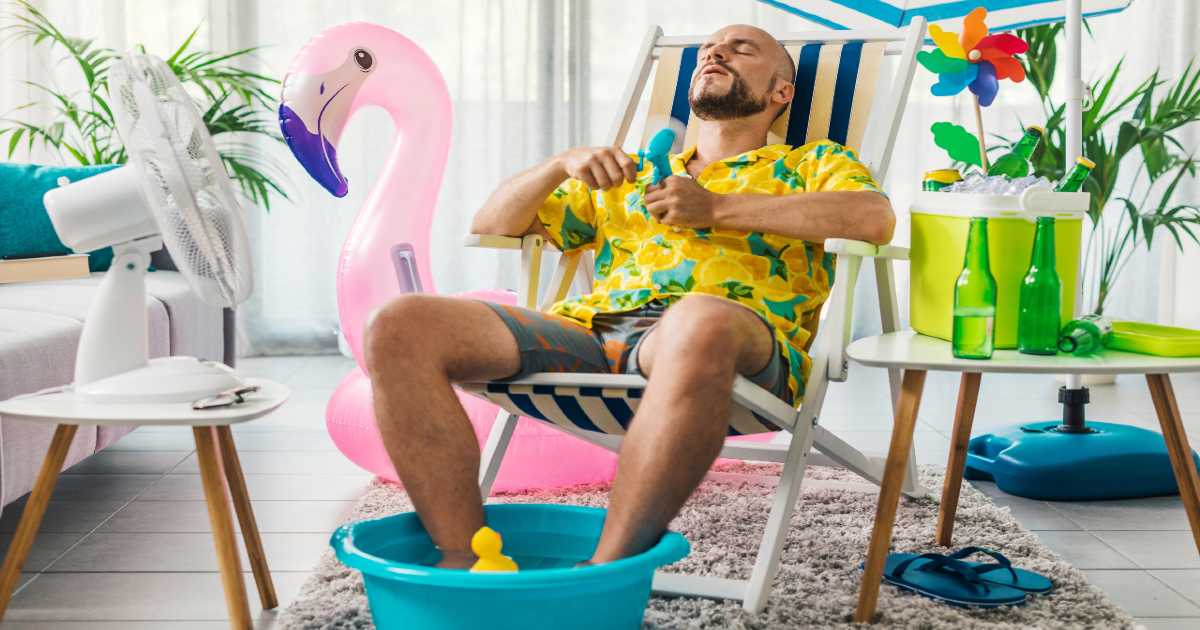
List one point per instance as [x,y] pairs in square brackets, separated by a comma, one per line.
[717,271]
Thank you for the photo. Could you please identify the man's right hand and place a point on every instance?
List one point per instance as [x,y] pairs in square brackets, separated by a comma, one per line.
[599,167]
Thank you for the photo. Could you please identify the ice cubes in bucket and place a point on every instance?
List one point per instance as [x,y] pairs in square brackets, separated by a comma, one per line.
[978,183]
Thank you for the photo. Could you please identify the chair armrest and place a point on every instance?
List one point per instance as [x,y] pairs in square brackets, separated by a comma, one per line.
[497,241]
[864,249]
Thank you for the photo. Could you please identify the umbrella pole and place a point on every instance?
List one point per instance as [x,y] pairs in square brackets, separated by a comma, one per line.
[979,130]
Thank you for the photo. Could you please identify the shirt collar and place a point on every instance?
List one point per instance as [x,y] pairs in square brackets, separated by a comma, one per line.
[769,152]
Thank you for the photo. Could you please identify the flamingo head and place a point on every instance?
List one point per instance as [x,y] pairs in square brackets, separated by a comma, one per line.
[337,72]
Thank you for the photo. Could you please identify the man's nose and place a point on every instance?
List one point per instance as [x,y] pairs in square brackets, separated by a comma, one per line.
[717,52]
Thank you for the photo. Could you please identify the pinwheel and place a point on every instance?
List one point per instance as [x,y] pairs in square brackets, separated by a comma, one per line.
[974,60]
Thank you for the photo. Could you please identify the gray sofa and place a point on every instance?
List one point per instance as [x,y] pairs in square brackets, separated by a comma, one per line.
[40,324]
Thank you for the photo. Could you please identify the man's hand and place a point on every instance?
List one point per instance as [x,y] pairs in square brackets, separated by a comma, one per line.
[681,201]
[599,167]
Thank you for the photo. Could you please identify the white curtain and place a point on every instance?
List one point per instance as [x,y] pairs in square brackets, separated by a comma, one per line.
[531,77]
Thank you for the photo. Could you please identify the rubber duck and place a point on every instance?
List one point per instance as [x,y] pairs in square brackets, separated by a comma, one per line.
[486,544]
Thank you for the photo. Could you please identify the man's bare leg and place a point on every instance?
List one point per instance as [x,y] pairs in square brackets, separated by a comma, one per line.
[416,346]
[691,359]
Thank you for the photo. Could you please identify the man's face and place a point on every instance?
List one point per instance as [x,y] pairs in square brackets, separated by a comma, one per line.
[737,70]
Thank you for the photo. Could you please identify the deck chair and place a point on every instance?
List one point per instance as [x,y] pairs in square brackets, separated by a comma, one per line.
[836,90]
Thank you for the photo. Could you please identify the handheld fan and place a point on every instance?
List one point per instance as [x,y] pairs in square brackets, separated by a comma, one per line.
[657,151]
[173,190]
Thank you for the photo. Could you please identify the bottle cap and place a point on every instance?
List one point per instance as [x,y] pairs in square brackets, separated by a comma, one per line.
[944,176]
[1086,162]
[1041,132]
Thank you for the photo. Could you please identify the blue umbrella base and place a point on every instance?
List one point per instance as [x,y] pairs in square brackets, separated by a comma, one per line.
[1113,461]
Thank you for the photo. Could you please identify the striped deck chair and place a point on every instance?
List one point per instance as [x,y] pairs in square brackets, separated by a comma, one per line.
[837,95]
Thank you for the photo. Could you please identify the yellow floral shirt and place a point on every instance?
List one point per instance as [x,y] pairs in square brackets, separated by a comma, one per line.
[638,259]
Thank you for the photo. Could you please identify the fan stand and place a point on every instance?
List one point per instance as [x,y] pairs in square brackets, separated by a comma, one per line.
[112,363]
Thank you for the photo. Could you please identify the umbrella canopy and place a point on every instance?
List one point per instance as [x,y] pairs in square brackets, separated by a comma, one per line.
[1003,15]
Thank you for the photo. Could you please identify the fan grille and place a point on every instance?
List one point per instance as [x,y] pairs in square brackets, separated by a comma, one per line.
[183,178]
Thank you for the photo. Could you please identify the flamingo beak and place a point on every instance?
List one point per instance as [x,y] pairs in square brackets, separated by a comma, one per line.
[313,111]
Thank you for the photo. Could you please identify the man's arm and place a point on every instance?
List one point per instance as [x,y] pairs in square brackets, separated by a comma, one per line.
[512,208]
[860,215]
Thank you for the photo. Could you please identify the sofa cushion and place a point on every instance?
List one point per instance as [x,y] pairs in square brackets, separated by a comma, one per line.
[25,228]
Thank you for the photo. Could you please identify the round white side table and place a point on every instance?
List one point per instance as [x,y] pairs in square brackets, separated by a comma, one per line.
[917,354]
[219,469]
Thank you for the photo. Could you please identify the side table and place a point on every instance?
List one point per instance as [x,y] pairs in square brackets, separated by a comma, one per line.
[219,468]
[917,354]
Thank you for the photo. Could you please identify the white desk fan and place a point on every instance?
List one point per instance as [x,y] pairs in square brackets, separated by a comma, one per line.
[173,190]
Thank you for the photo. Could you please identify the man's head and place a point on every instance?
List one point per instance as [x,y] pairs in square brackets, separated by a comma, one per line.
[741,72]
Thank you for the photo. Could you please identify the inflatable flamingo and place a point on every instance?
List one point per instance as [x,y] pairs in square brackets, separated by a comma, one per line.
[339,71]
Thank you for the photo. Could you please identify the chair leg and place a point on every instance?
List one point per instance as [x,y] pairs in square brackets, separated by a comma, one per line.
[222,528]
[35,509]
[889,493]
[245,515]
[493,451]
[1178,448]
[784,504]
[964,415]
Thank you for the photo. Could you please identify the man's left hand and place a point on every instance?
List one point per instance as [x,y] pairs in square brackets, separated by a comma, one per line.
[680,201]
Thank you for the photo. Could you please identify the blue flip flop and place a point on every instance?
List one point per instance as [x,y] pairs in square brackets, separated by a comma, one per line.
[1002,572]
[947,579]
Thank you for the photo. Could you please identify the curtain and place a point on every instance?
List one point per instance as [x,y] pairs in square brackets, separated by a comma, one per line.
[529,78]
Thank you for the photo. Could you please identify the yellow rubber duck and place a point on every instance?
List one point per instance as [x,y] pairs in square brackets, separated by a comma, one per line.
[486,544]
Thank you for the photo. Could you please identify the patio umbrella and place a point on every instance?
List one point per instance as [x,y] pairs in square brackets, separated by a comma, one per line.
[1003,15]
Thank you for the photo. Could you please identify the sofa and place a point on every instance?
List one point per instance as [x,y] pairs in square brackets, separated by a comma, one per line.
[40,325]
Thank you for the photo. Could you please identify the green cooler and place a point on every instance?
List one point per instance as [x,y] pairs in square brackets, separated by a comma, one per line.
[939,241]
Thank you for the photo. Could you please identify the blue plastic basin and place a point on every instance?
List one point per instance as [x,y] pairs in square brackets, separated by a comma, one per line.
[394,554]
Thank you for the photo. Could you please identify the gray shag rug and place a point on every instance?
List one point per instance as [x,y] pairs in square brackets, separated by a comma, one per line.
[817,585]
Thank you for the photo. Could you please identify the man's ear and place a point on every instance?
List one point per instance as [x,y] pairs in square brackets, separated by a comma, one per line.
[783,93]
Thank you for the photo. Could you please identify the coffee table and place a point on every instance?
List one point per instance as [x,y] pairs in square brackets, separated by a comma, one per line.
[219,468]
[917,354]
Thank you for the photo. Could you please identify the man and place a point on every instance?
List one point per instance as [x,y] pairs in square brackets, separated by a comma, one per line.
[715,272]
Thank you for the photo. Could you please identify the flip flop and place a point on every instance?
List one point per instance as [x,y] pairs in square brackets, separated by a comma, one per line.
[948,580]
[1002,572]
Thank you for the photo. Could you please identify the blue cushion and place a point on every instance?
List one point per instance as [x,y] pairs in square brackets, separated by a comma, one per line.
[25,228]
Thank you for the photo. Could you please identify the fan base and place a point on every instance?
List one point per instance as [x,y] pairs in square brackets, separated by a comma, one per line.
[163,380]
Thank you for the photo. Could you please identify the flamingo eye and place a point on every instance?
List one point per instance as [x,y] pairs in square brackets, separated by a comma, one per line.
[364,60]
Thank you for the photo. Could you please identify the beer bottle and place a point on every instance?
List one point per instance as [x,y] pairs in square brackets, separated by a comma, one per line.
[975,299]
[1085,336]
[1074,180]
[1038,316]
[1015,163]
[939,179]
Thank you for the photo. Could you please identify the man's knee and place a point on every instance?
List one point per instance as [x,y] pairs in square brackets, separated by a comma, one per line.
[707,325]
[392,329]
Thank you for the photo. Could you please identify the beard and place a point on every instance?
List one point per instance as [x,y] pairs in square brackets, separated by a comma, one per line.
[736,103]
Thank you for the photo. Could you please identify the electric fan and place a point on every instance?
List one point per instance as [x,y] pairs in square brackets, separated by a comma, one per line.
[173,190]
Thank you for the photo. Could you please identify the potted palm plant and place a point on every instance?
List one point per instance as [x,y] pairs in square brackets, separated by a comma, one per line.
[1136,129]
[237,106]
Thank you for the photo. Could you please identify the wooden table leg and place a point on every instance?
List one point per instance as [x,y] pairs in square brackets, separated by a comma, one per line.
[245,514]
[1177,448]
[964,415]
[222,528]
[35,509]
[889,492]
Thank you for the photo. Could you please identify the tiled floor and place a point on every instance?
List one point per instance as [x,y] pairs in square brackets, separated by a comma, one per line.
[125,543]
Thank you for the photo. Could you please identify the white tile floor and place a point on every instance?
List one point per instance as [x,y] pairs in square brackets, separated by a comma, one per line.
[125,542]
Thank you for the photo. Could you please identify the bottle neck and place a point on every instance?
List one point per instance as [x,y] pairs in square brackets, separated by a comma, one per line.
[1043,243]
[977,245]
[1027,144]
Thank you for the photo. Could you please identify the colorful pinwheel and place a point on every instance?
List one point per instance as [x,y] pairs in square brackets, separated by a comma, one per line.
[974,59]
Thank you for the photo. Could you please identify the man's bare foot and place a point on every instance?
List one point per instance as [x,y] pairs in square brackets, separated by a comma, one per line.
[456,559]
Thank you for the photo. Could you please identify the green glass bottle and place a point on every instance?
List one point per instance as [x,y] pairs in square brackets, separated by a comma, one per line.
[1085,336]
[1079,174]
[1038,318]
[1015,163]
[975,299]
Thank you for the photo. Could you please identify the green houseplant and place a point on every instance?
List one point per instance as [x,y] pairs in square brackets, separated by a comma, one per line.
[1134,129]
[237,106]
